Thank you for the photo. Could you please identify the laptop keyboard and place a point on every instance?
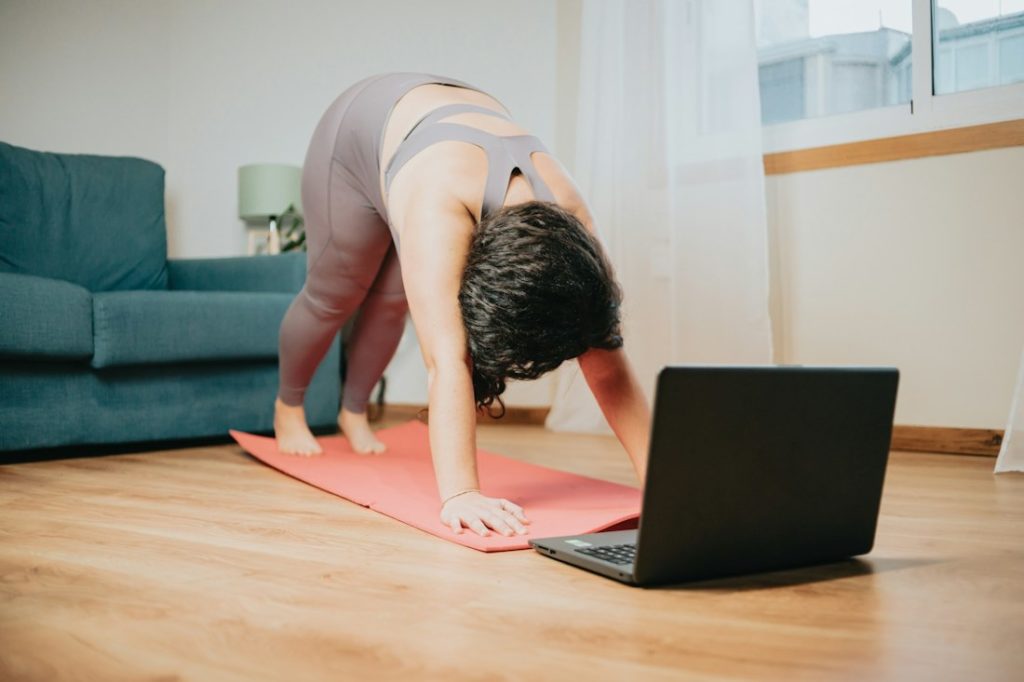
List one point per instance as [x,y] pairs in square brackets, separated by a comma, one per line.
[616,554]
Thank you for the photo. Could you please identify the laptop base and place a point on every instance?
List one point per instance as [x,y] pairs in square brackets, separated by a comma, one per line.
[564,549]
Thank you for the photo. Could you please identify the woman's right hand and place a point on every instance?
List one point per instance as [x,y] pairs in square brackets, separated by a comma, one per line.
[479,512]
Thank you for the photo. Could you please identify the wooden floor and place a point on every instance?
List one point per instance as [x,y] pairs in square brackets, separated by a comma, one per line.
[202,564]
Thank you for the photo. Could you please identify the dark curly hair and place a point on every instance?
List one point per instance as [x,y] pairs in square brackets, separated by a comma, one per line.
[537,290]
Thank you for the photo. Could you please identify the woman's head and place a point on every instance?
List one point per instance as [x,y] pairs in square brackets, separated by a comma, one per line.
[537,290]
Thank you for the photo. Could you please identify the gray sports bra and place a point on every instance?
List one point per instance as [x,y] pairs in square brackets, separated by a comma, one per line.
[504,153]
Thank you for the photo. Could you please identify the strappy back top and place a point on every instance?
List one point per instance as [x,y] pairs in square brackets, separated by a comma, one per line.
[504,153]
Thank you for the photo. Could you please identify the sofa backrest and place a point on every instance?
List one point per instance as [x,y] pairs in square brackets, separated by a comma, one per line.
[97,221]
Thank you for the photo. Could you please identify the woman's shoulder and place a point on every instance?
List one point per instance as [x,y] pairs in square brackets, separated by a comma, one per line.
[436,213]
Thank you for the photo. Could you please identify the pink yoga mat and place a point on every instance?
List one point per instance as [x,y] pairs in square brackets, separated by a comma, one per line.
[400,483]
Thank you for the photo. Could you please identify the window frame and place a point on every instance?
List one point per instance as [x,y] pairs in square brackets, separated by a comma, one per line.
[926,111]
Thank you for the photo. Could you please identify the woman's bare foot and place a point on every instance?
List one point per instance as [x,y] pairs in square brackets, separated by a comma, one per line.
[292,432]
[357,429]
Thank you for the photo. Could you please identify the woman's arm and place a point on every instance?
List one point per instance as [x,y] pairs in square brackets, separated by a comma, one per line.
[622,401]
[434,249]
[613,382]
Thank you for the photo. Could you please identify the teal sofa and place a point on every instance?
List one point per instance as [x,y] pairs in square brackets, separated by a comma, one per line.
[105,340]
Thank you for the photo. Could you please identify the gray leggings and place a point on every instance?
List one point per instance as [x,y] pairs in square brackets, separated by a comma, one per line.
[351,258]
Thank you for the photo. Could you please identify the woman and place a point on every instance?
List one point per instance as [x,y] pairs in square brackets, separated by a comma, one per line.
[489,245]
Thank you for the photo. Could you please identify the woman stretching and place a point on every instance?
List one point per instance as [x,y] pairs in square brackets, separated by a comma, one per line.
[488,244]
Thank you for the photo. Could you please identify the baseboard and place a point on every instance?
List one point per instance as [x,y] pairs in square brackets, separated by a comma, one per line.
[937,439]
[513,415]
[945,440]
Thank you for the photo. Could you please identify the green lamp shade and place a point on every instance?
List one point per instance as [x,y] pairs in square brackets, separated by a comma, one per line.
[268,189]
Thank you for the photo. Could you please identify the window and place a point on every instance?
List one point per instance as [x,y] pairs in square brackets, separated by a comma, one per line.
[835,71]
[782,90]
[822,57]
[977,44]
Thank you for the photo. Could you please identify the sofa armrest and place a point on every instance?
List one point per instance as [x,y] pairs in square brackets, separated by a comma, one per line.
[44,317]
[284,272]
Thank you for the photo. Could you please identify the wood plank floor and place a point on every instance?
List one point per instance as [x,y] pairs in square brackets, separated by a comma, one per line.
[202,564]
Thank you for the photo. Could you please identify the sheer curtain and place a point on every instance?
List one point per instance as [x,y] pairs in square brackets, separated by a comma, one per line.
[669,161]
[1011,455]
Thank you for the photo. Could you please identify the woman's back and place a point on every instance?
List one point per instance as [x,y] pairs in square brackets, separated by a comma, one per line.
[463,170]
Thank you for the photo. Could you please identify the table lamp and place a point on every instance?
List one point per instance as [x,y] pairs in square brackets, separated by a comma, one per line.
[265,191]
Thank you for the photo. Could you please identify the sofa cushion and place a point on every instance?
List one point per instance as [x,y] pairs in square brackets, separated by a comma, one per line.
[97,221]
[284,272]
[148,327]
[44,318]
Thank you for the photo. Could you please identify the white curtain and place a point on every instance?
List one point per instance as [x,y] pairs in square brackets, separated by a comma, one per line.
[669,160]
[1011,455]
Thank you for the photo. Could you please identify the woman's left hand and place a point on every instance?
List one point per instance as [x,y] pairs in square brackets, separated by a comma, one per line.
[479,512]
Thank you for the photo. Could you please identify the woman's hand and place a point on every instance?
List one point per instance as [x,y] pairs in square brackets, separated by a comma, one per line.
[479,512]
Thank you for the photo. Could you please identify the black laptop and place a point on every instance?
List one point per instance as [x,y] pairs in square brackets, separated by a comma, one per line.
[751,469]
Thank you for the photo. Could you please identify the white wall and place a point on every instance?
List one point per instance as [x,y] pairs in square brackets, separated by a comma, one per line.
[917,264]
[85,77]
[203,87]
[911,263]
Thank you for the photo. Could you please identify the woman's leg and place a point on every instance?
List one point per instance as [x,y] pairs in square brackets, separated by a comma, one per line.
[373,342]
[347,244]
[376,334]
